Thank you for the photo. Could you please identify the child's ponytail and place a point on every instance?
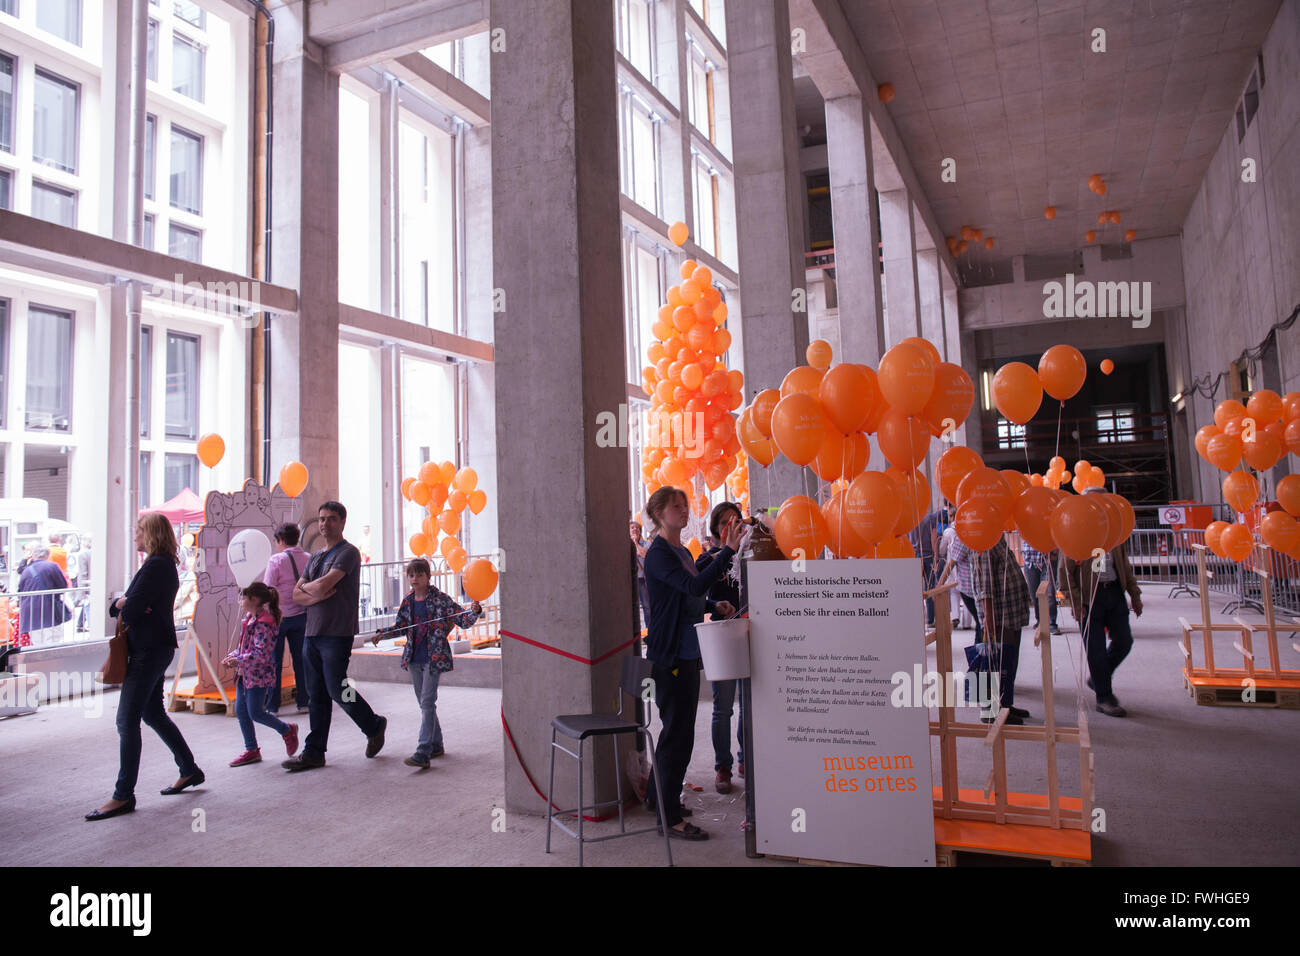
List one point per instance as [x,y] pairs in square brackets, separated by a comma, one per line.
[266,595]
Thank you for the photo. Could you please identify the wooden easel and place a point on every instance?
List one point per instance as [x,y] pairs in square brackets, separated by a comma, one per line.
[1211,683]
[173,703]
[1008,812]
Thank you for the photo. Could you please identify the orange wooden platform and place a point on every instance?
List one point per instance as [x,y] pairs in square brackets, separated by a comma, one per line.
[1225,688]
[1025,841]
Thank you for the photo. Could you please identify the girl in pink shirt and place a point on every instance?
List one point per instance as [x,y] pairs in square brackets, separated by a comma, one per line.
[254,661]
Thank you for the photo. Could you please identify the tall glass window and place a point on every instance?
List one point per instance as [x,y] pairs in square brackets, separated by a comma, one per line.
[182,386]
[184,243]
[60,17]
[635,35]
[640,155]
[54,136]
[699,92]
[6,103]
[6,189]
[54,204]
[151,52]
[705,202]
[49,369]
[187,171]
[142,481]
[146,238]
[10,7]
[4,360]
[179,472]
[190,12]
[187,67]
[150,153]
[146,379]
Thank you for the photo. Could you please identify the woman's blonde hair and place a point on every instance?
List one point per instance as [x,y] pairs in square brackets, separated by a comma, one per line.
[159,538]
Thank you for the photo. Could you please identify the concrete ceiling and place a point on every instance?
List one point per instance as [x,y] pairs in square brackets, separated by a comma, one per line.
[1011,90]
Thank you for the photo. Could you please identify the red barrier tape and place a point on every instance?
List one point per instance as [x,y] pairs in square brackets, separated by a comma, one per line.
[574,657]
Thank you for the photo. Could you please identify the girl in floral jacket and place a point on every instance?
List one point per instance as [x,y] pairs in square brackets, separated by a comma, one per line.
[426,617]
[254,663]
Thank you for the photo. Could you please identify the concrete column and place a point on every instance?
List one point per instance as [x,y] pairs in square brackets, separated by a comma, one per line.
[305,249]
[769,212]
[951,348]
[857,231]
[898,236]
[391,546]
[931,321]
[558,345]
[481,379]
[389,190]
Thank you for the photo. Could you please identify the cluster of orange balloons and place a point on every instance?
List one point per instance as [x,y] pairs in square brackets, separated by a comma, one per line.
[958,246]
[445,492]
[738,481]
[1256,435]
[691,428]
[1097,184]
[1018,389]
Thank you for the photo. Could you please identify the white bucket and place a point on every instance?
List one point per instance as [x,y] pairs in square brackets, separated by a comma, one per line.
[724,645]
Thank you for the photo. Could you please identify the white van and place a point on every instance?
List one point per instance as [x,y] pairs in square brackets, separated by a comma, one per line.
[25,523]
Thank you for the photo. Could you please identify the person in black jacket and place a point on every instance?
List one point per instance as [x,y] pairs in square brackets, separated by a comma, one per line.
[146,607]
[677,603]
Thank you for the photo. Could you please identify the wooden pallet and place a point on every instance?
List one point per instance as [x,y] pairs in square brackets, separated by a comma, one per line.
[1225,690]
[211,702]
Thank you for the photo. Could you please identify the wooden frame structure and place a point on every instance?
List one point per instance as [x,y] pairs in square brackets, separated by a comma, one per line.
[210,701]
[1211,683]
[998,806]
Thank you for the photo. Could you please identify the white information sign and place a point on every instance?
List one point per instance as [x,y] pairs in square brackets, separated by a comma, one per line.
[1172,515]
[842,774]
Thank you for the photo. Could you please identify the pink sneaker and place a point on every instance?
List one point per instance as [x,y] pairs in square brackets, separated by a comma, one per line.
[247,757]
[291,740]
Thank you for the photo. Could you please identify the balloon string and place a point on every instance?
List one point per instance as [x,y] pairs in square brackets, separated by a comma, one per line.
[1059,412]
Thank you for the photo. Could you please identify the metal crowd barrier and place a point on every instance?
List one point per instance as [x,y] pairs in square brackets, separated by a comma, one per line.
[383,585]
[46,618]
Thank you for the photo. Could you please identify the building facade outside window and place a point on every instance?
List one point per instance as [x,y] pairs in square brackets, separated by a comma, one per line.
[49,369]
[54,132]
[61,18]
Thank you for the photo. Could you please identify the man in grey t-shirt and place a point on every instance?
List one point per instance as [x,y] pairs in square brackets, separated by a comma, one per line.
[329,589]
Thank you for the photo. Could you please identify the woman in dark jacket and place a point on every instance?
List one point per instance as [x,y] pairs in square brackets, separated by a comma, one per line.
[724,691]
[151,643]
[677,603]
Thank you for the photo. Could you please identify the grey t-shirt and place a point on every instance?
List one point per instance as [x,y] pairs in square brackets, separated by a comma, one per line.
[337,616]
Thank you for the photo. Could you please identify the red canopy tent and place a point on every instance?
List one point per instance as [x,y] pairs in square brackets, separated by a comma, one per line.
[182,509]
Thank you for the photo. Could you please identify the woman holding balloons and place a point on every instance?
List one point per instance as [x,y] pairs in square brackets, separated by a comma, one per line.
[146,607]
[677,603]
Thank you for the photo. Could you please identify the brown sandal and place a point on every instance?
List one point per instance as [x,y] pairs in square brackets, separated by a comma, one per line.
[689,831]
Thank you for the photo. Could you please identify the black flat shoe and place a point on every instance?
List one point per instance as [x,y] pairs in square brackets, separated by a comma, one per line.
[128,807]
[193,780]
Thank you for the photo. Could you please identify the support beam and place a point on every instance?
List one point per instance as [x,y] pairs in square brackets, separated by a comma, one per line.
[902,295]
[444,89]
[857,231]
[559,345]
[357,34]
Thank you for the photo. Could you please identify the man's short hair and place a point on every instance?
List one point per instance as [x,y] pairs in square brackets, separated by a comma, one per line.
[54,537]
[418,566]
[337,508]
[288,533]
[41,554]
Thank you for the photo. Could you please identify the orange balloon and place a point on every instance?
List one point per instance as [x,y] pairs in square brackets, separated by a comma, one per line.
[1127,515]
[293,479]
[456,559]
[848,394]
[914,494]
[457,501]
[1115,519]
[953,397]
[1223,452]
[985,484]
[954,465]
[844,541]
[873,506]
[1262,452]
[841,456]
[419,544]
[437,496]
[798,426]
[903,439]
[1290,406]
[1280,531]
[430,473]
[447,472]
[764,404]
[1080,526]
[818,354]
[1235,426]
[420,493]
[800,526]
[762,450]
[406,487]
[1062,370]
[1016,481]
[677,233]
[1107,366]
[1227,410]
[978,525]
[477,500]
[1288,494]
[1203,436]
[687,268]
[1213,531]
[926,345]
[1049,212]
[1032,510]
[449,522]
[906,377]
[803,378]
[212,449]
[1291,436]
[1265,406]
[1236,542]
[1017,392]
[1240,490]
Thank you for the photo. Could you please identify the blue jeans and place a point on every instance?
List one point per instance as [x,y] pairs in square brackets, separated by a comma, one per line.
[326,661]
[292,630]
[724,695]
[250,705]
[141,698]
[1109,612]
[1035,576]
[425,681]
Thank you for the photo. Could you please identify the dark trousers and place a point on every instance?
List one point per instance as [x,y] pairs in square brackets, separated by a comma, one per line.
[1035,576]
[1109,612]
[326,660]
[292,631]
[724,697]
[1009,665]
[927,582]
[141,698]
[974,612]
[677,697]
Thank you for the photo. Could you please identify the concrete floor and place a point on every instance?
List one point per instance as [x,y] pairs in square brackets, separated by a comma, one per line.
[1180,784]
